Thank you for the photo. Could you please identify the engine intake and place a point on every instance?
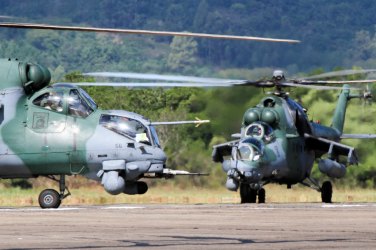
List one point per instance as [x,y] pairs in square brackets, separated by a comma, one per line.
[33,77]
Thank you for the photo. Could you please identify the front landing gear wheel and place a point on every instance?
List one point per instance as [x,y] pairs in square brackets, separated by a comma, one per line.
[261,196]
[326,192]
[247,194]
[49,198]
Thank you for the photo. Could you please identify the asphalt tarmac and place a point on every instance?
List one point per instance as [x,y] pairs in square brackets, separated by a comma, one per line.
[268,226]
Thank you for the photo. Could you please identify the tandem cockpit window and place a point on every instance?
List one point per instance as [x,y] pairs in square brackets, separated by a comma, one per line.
[259,130]
[128,127]
[250,149]
[52,100]
[77,106]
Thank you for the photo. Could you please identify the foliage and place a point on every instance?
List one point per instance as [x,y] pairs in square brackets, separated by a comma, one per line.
[182,57]
[326,28]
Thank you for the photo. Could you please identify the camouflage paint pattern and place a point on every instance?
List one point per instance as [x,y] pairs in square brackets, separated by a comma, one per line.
[39,141]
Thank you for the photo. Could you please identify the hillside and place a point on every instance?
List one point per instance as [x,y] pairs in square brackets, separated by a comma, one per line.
[327,29]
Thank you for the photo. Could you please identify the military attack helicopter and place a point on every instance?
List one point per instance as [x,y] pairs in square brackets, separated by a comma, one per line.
[277,142]
[58,130]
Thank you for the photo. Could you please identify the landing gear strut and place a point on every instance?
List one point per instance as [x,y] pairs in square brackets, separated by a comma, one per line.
[249,195]
[326,189]
[50,198]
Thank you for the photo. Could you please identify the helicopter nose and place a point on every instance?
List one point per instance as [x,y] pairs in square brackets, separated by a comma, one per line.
[158,154]
[251,170]
[162,156]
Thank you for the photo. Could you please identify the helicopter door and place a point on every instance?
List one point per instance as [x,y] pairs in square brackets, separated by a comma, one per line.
[47,113]
[45,140]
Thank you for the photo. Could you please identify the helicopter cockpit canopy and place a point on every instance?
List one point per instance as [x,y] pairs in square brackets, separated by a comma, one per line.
[130,128]
[80,103]
[250,149]
[260,131]
[65,99]
[51,100]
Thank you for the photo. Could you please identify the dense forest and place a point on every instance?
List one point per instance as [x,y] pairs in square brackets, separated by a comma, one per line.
[335,34]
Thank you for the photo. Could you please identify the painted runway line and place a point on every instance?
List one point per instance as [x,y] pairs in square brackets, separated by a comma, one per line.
[121,207]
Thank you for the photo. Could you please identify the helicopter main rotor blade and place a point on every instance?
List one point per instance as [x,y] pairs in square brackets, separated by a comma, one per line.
[6,17]
[317,87]
[151,84]
[158,77]
[191,81]
[338,82]
[340,73]
[142,32]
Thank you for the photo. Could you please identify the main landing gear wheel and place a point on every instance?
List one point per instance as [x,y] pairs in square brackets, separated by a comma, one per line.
[249,195]
[326,192]
[49,198]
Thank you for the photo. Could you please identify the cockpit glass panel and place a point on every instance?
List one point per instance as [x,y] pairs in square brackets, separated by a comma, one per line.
[52,100]
[257,144]
[250,149]
[245,152]
[289,113]
[88,98]
[128,127]
[155,136]
[77,106]
[259,130]
[255,130]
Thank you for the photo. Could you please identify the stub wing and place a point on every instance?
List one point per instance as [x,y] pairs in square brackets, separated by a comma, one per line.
[221,150]
[331,148]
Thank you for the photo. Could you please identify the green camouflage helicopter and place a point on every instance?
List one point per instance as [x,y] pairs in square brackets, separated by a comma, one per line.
[277,143]
[58,130]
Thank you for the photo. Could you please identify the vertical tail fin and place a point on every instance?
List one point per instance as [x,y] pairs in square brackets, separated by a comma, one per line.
[340,111]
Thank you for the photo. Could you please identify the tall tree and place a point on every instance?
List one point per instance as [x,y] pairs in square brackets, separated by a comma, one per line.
[182,56]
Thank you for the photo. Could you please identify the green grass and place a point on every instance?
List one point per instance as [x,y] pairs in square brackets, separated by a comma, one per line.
[95,195]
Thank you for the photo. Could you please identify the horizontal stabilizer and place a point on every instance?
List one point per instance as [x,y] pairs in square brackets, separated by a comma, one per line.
[223,149]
